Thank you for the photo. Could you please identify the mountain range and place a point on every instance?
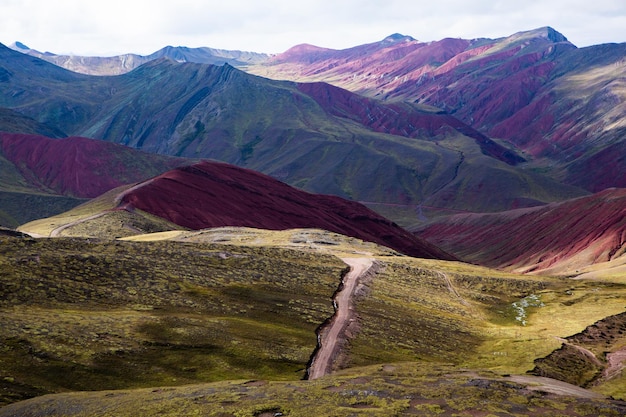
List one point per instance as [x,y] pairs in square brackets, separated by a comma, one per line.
[197,216]
[561,105]
[121,64]
[314,136]
[558,238]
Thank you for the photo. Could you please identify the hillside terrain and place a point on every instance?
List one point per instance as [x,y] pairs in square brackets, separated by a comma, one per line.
[115,315]
[562,105]
[558,238]
[213,194]
[186,238]
[42,177]
[170,300]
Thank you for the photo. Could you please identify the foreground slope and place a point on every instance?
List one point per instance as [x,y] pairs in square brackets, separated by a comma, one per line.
[93,314]
[558,238]
[434,336]
[381,391]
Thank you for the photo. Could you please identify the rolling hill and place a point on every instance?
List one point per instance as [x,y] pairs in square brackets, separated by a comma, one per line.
[213,194]
[80,167]
[559,238]
[42,177]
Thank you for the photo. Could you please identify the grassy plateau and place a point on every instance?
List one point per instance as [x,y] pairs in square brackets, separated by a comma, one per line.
[147,319]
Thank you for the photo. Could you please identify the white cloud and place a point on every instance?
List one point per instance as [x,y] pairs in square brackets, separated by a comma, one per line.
[143,26]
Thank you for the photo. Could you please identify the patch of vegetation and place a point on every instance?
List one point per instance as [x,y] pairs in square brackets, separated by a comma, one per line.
[19,207]
[119,223]
[382,390]
[414,306]
[87,314]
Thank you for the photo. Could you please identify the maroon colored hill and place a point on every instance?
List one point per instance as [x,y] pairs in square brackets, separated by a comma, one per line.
[77,166]
[559,237]
[398,118]
[212,194]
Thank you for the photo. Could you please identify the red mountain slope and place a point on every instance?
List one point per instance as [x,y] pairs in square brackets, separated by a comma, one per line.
[79,167]
[559,237]
[212,194]
[563,106]
[400,119]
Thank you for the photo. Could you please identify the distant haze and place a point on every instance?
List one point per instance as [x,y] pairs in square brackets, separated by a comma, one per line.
[112,27]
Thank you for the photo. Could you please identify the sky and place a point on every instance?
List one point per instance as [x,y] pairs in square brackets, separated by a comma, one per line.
[112,27]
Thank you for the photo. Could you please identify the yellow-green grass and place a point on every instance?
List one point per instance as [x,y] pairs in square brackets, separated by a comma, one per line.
[116,314]
[97,218]
[411,314]
[430,310]
[310,240]
[45,226]
[382,390]
[88,315]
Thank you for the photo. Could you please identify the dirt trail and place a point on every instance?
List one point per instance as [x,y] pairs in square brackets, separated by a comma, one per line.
[328,337]
[118,198]
[57,231]
[451,288]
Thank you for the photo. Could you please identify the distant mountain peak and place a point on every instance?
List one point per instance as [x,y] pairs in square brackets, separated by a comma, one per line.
[306,47]
[545,32]
[398,37]
[552,34]
[20,46]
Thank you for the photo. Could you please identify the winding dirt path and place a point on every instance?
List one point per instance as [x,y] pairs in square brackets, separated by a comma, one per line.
[328,337]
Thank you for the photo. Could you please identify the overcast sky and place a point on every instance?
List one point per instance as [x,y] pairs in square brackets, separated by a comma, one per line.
[110,27]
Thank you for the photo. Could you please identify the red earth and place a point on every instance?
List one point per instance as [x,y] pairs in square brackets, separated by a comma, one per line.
[213,194]
[556,237]
[399,118]
[77,166]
